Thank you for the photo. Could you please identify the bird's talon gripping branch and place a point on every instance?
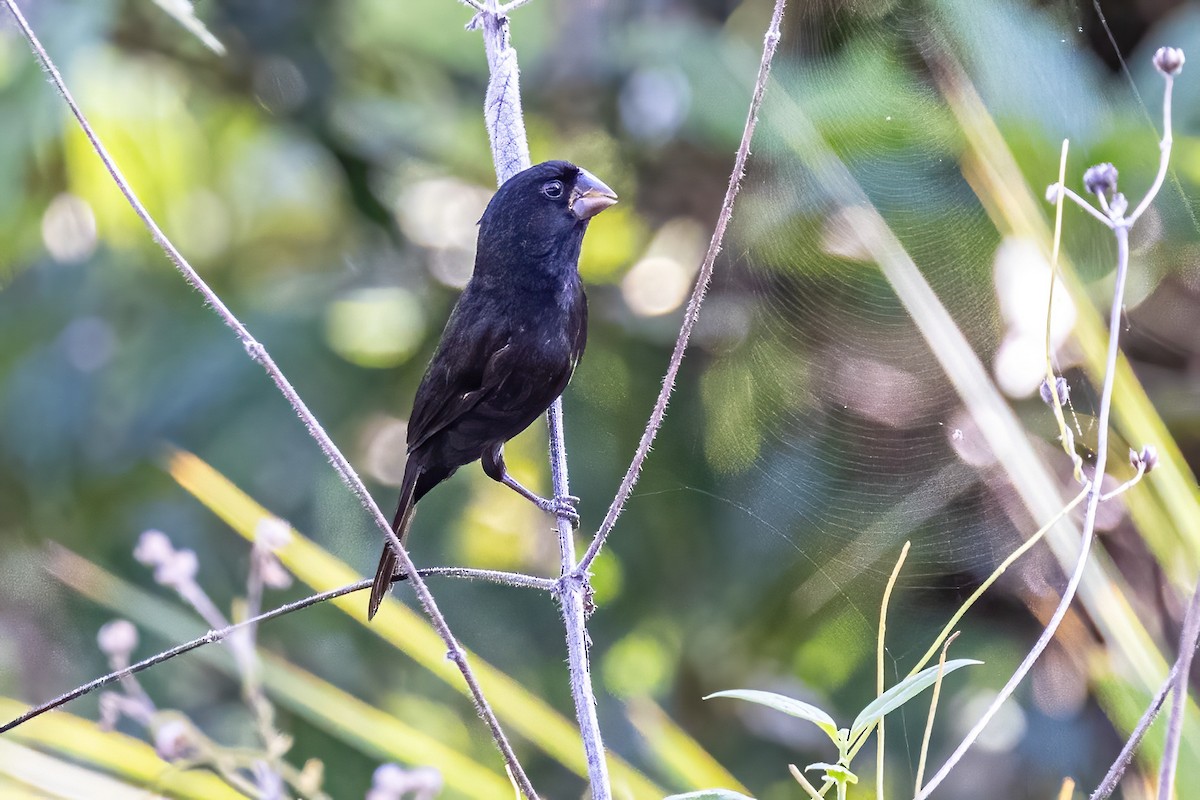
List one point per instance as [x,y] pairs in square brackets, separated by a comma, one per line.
[562,507]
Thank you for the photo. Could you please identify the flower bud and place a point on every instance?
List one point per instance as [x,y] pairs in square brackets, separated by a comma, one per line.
[177,570]
[1053,192]
[1100,179]
[1146,460]
[117,639]
[153,548]
[1061,388]
[272,533]
[173,740]
[1168,60]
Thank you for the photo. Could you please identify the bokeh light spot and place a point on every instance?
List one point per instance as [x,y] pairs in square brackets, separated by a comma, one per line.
[379,327]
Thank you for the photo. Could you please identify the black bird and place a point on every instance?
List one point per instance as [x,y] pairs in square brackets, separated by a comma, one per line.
[511,343]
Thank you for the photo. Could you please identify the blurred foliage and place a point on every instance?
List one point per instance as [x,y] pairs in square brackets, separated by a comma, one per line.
[325,176]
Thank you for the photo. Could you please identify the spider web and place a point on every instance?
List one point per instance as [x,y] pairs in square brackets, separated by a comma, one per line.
[841,429]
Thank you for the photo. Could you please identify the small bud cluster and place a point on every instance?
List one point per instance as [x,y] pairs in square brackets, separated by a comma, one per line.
[1100,179]
[1169,60]
[392,782]
[271,535]
[1061,388]
[117,640]
[1145,460]
[174,740]
[172,568]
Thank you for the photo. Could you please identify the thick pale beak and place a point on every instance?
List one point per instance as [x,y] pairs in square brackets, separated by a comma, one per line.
[590,196]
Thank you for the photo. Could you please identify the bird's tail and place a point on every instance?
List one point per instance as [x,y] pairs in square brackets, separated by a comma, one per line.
[387,561]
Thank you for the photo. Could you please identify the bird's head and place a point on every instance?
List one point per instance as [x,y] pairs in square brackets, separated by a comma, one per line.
[542,212]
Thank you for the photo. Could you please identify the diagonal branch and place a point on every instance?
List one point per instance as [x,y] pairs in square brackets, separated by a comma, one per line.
[692,313]
[259,353]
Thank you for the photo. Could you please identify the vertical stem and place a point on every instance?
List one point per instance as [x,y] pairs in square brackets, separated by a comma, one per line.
[692,312]
[572,598]
[510,154]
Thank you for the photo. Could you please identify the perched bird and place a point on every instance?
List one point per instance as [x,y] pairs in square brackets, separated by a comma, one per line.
[511,343]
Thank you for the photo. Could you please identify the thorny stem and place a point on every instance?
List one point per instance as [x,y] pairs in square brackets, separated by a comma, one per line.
[1187,647]
[259,353]
[692,313]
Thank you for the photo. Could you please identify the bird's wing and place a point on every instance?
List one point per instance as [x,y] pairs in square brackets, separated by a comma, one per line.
[459,377]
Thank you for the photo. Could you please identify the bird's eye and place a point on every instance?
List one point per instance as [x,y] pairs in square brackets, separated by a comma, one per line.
[552,189]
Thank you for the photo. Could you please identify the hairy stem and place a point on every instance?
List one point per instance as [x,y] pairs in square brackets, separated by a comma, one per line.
[692,313]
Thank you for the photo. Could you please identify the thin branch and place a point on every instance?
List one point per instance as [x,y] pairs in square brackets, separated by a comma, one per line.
[933,704]
[219,634]
[1164,147]
[804,782]
[881,640]
[1127,485]
[517,580]
[259,353]
[692,313]
[1187,647]
[1125,757]
[215,635]
[1082,202]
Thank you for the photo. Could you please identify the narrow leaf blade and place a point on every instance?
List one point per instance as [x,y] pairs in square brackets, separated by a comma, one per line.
[787,705]
[901,693]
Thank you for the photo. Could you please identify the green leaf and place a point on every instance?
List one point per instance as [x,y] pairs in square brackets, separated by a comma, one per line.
[837,772]
[710,794]
[185,15]
[787,705]
[901,693]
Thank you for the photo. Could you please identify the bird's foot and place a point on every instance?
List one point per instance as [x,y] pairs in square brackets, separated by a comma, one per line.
[561,507]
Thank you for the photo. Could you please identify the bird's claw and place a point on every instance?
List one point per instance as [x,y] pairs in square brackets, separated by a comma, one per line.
[562,507]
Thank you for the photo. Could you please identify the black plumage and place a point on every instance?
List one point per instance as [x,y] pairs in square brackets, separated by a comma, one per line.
[512,340]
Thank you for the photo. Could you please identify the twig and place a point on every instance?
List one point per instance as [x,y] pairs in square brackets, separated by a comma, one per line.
[259,353]
[879,651]
[1168,61]
[692,313]
[1085,205]
[1125,757]
[517,580]
[1164,147]
[933,703]
[804,782]
[1187,647]
[218,634]
[215,635]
